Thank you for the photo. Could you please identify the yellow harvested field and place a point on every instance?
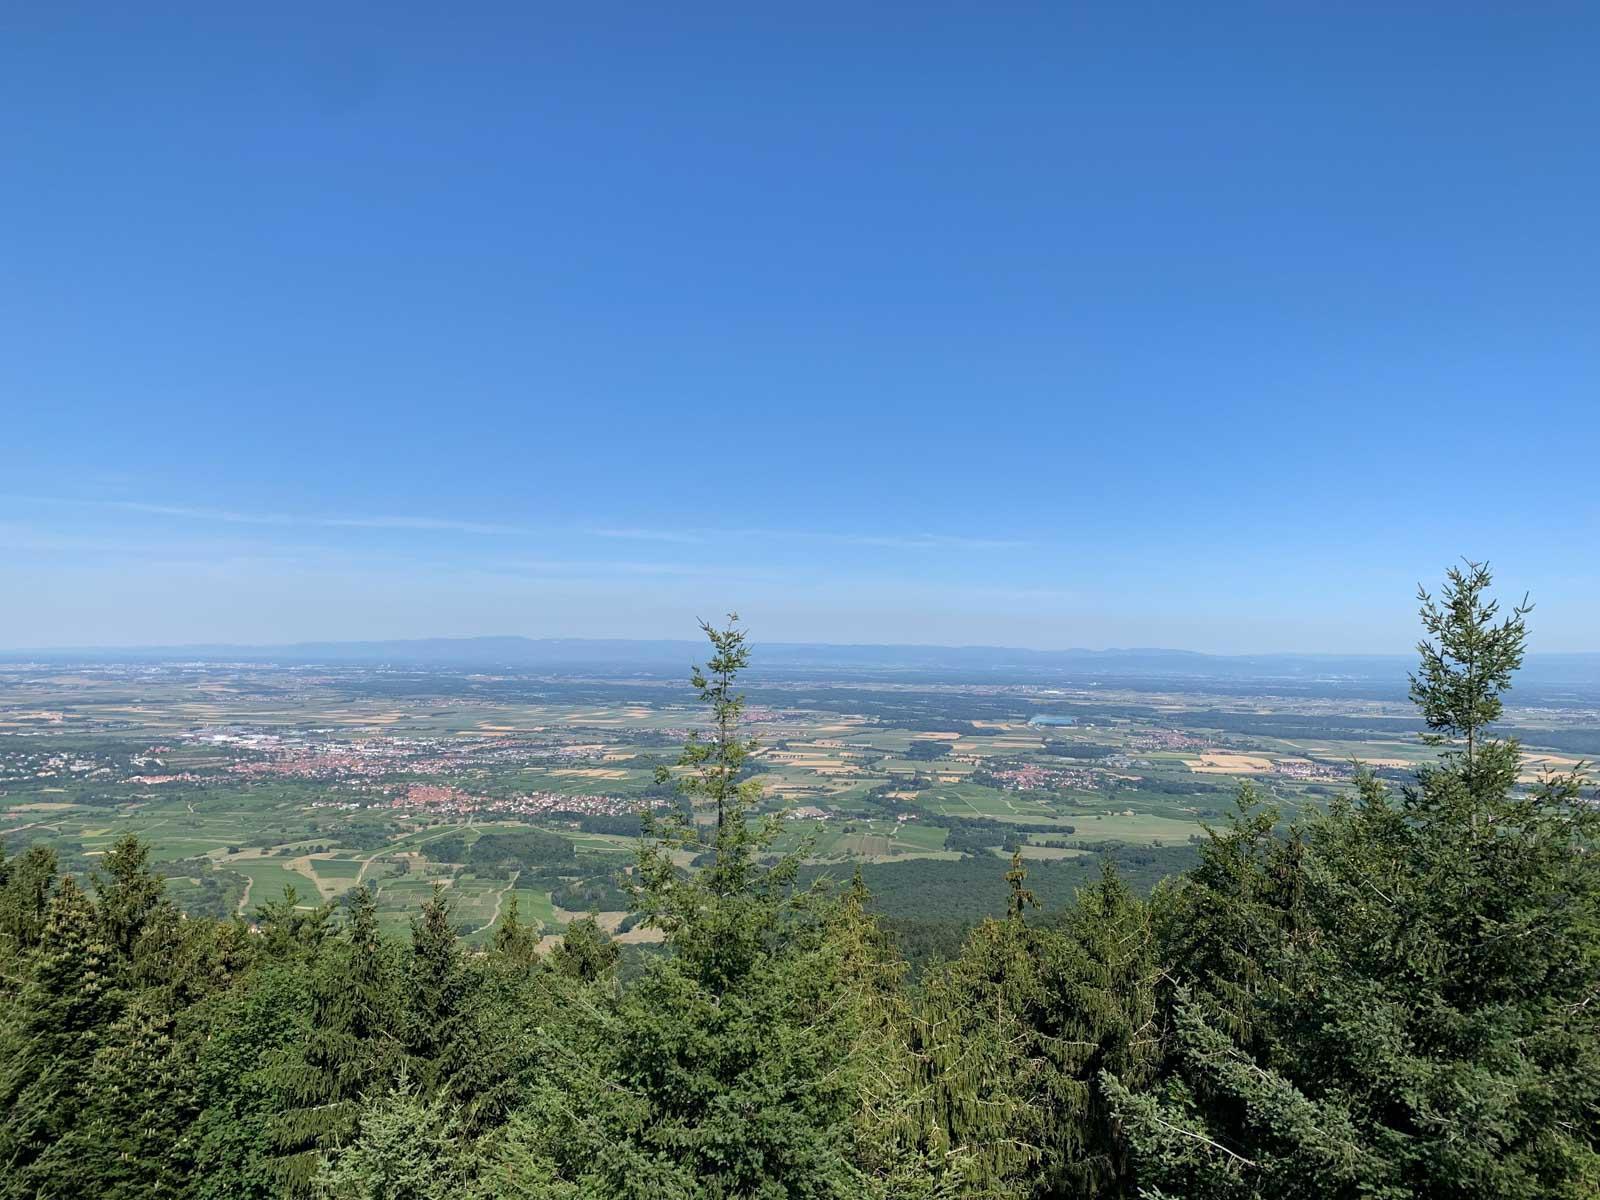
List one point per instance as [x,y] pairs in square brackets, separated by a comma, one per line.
[1543,758]
[592,772]
[997,745]
[1229,764]
[1536,762]
[810,762]
[640,935]
[607,921]
[938,737]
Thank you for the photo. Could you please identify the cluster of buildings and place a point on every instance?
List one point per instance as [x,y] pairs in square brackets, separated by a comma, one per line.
[33,764]
[1304,768]
[1166,739]
[439,798]
[273,755]
[1032,777]
[545,803]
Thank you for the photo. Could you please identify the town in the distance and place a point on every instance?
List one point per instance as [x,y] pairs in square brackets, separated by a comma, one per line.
[247,778]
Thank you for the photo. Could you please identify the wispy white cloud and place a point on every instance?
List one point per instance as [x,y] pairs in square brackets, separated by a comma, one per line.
[549,566]
[436,524]
[681,536]
[193,514]
[445,524]
[895,541]
[236,517]
[914,541]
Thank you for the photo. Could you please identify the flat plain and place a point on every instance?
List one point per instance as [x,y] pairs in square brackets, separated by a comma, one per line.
[250,781]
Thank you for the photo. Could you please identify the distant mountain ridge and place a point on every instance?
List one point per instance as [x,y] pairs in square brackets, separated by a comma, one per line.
[525,653]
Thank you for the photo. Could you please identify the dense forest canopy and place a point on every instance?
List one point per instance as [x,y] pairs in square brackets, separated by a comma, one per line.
[1396,998]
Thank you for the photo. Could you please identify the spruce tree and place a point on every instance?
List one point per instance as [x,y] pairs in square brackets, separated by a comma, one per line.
[25,889]
[141,1102]
[514,943]
[129,896]
[585,952]
[291,930]
[1399,998]
[438,988]
[1103,977]
[54,1029]
[407,1147]
[347,1046]
[1017,1038]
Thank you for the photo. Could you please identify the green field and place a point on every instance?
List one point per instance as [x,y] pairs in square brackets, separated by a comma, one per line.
[268,878]
[224,773]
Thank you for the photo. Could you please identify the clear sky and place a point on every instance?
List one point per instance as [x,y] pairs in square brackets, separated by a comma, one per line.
[1207,326]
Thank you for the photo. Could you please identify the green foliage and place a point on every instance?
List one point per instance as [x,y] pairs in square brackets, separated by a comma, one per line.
[127,895]
[1018,1039]
[1395,999]
[25,883]
[1398,998]
[290,931]
[585,952]
[406,1148]
[725,1070]
[514,943]
[54,1029]
[347,1046]
[504,851]
[723,920]
[926,750]
[1467,659]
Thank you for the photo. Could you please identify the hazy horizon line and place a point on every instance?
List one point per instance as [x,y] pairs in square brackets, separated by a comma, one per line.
[152,647]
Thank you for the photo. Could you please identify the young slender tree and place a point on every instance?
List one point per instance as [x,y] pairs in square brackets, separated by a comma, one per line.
[515,944]
[719,919]
[1468,658]
[725,1069]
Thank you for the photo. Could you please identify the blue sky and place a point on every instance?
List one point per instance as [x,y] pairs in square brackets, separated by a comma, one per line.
[1207,326]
